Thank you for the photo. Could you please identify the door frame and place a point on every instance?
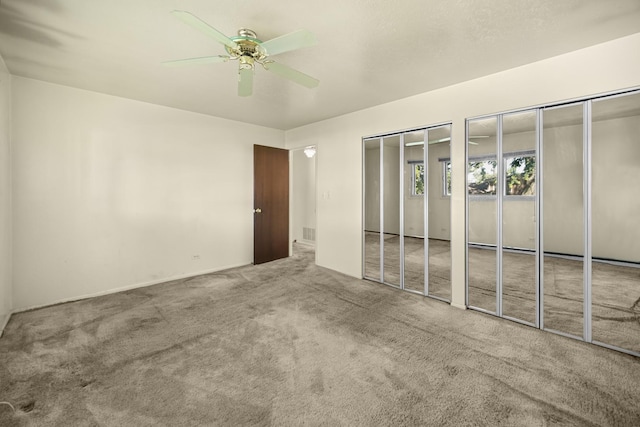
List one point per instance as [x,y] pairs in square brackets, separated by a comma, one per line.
[316,199]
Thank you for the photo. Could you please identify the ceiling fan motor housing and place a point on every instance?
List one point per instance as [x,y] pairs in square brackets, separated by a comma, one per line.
[248,50]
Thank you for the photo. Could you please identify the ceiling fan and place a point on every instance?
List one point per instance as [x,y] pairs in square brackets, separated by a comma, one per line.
[248,50]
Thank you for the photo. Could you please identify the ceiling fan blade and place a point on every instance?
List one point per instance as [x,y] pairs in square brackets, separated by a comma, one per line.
[200,60]
[245,82]
[292,41]
[199,24]
[291,74]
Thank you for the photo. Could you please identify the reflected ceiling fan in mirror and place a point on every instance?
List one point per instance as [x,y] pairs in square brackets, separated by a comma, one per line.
[446,139]
[248,50]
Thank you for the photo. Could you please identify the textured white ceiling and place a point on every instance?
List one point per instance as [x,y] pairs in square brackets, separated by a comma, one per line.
[369,51]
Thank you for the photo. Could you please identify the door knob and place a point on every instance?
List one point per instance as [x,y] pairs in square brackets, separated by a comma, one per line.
[258,210]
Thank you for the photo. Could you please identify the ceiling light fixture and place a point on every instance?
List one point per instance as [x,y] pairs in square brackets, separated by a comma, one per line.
[310,151]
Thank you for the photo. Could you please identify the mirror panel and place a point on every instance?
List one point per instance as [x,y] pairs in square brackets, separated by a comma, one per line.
[563,219]
[615,210]
[391,210]
[482,208]
[519,285]
[414,193]
[371,193]
[439,202]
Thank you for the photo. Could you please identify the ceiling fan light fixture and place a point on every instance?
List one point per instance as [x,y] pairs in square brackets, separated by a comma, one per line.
[310,151]
[246,62]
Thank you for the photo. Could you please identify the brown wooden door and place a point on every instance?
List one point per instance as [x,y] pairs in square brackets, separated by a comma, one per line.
[271,204]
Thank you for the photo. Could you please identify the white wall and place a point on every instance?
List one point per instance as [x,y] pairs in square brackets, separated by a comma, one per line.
[601,68]
[5,195]
[303,194]
[111,193]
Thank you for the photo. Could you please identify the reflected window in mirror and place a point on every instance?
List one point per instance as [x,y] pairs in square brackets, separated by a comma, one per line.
[482,177]
[446,178]
[520,171]
[417,178]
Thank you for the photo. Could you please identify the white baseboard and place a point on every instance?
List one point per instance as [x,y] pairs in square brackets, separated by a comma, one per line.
[126,288]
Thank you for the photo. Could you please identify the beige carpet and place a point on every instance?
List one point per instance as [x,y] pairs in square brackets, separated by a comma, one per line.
[289,343]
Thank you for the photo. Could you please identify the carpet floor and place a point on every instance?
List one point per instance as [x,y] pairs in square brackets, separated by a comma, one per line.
[290,343]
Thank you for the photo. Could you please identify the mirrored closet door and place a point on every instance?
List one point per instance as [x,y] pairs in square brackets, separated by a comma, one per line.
[482,216]
[519,216]
[372,237]
[413,212]
[391,224]
[552,225]
[502,234]
[615,221]
[563,226]
[439,212]
[407,189]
